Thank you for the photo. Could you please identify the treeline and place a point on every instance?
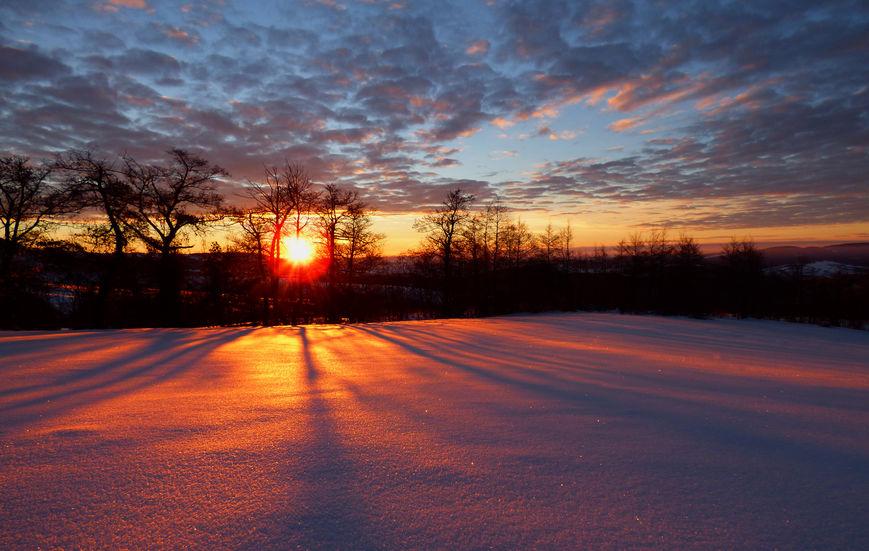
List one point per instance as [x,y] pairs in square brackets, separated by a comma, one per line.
[122,264]
[482,262]
[97,279]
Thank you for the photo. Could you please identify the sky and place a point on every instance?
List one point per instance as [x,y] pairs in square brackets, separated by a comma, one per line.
[716,119]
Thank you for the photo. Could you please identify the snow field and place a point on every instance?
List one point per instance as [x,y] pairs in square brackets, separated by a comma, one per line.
[549,431]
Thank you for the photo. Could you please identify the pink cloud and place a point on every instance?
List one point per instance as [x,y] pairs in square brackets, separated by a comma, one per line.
[626,124]
[114,5]
[176,33]
[501,122]
[480,47]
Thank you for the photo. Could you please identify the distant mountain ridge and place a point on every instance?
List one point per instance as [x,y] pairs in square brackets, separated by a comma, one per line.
[856,254]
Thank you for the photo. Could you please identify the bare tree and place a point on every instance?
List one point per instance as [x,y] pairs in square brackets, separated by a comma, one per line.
[658,249]
[473,248]
[550,243]
[254,240]
[632,252]
[332,209]
[688,254]
[255,234]
[359,246]
[566,238]
[358,249]
[273,207]
[441,229]
[473,235]
[742,256]
[301,195]
[495,216]
[285,198]
[744,264]
[95,182]
[167,201]
[303,199]
[600,259]
[519,243]
[27,200]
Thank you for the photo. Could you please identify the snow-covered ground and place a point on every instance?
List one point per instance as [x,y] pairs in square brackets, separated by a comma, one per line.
[551,431]
[819,268]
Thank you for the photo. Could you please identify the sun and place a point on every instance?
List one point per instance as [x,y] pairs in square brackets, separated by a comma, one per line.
[299,250]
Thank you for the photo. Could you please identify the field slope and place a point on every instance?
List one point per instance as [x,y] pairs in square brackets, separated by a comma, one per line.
[551,431]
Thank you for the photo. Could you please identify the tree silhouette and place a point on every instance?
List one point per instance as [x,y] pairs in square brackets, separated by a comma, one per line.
[441,229]
[27,200]
[96,182]
[333,208]
[550,244]
[166,202]
[359,245]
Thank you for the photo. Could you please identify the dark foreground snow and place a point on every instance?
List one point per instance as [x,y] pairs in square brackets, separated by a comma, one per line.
[554,431]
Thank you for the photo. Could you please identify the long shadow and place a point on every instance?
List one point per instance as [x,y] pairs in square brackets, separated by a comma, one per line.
[677,413]
[84,350]
[716,333]
[693,380]
[173,349]
[493,351]
[45,351]
[333,512]
[386,404]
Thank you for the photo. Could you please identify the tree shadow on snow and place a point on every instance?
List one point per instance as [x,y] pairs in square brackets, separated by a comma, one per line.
[331,513]
[166,355]
[713,423]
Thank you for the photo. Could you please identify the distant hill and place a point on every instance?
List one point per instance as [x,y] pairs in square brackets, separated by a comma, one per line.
[819,268]
[855,254]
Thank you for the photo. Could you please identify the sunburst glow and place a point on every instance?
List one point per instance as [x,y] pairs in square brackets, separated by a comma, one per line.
[299,250]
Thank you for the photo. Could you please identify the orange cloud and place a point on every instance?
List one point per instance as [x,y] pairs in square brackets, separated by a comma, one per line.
[113,6]
[626,124]
[547,111]
[478,48]
[134,4]
[594,97]
[180,35]
[563,135]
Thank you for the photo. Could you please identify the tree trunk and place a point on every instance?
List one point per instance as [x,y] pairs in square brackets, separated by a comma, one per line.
[447,288]
[169,292]
[7,253]
[333,310]
[108,281]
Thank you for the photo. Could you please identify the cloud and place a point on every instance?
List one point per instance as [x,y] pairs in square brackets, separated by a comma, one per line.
[749,107]
[135,4]
[147,62]
[17,64]
[113,6]
[799,164]
[503,154]
[628,123]
[159,32]
[102,40]
[478,47]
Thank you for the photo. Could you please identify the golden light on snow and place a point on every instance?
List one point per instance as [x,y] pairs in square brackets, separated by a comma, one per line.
[299,250]
[328,436]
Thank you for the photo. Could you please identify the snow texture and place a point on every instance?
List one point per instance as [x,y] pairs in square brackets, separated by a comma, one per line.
[820,268]
[551,431]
